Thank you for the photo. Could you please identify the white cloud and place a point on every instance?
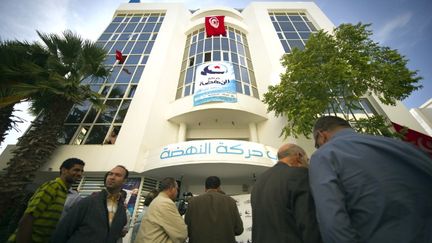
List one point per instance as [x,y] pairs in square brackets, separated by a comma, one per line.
[21,19]
[390,27]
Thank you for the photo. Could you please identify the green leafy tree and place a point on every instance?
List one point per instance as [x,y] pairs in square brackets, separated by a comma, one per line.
[69,61]
[21,63]
[339,68]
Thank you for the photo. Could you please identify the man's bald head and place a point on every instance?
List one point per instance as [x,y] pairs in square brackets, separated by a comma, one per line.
[292,155]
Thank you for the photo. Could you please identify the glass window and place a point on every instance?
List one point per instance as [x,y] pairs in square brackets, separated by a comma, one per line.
[192,49]
[233,49]
[133,59]
[132,90]
[149,47]
[128,47]
[76,115]
[112,27]
[157,27]
[104,37]
[107,115]
[295,18]
[121,28]
[138,74]
[225,44]
[216,44]
[286,26]
[208,44]
[149,27]
[124,37]
[122,111]
[216,56]
[91,115]
[130,27]
[67,134]
[144,60]
[118,19]
[125,74]
[82,132]
[139,47]
[144,36]
[118,91]
[233,46]
[234,57]
[200,46]
[291,35]
[245,75]
[282,18]
[97,134]
[276,26]
[135,19]
[207,57]
[189,75]
[296,43]
[301,26]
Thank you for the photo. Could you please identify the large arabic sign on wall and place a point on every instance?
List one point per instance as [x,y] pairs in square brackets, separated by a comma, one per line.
[212,151]
[215,82]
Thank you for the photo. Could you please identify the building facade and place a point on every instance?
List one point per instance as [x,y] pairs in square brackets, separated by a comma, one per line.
[423,115]
[154,124]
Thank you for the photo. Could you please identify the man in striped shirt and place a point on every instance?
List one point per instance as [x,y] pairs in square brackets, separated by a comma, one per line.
[46,205]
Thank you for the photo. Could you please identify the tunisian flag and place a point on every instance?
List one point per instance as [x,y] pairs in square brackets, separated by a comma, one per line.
[120,57]
[215,25]
[420,140]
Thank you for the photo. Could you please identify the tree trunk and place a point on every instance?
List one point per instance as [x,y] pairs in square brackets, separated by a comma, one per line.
[6,121]
[32,151]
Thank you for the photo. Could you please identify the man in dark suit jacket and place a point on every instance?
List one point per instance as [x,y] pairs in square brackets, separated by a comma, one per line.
[213,217]
[282,206]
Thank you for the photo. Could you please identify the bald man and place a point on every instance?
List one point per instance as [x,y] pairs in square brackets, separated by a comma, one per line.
[282,206]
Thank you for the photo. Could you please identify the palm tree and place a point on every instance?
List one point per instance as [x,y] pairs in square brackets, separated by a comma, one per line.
[70,60]
[21,63]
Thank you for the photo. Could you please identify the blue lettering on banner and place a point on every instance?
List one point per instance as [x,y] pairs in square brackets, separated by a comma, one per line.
[221,148]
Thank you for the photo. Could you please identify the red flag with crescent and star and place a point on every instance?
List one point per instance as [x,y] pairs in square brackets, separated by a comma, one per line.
[424,142]
[215,26]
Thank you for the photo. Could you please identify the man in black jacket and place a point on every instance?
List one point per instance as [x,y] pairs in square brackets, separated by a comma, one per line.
[213,217]
[99,217]
[282,206]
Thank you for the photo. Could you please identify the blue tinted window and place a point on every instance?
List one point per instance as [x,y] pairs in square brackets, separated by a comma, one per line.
[144,36]
[130,27]
[138,74]
[216,44]
[291,35]
[104,37]
[286,26]
[301,26]
[122,111]
[128,47]
[149,47]
[208,45]
[189,75]
[121,28]
[157,27]
[296,43]
[216,56]
[125,75]
[118,19]
[133,59]
[118,91]
[112,27]
[135,19]
[276,26]
[200,46]
[282,18]
[245,75]
[246,89]
[139,47]
[149,27]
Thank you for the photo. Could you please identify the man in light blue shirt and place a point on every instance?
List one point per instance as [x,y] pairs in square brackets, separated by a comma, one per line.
[369,188]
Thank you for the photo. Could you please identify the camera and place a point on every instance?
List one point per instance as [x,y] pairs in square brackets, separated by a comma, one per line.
[183,202]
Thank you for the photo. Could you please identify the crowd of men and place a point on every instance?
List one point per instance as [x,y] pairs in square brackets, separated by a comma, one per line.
[355,188]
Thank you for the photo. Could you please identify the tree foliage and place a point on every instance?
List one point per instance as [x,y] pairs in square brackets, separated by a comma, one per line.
[340,67]
[54,86]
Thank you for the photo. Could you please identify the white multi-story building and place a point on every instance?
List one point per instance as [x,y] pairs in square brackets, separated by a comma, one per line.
[423,115]
[161,130]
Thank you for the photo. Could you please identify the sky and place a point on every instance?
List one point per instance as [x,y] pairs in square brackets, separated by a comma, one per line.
[405,25]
